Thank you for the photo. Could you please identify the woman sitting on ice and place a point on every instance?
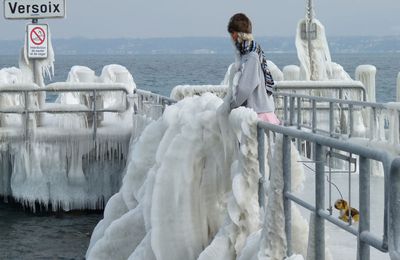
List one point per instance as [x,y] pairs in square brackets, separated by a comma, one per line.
[252,82]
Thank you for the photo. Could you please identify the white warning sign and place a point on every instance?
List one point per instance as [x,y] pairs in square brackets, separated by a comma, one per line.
[37,41]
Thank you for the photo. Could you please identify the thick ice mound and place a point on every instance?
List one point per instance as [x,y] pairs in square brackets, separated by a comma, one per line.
[183,197]
[112,73]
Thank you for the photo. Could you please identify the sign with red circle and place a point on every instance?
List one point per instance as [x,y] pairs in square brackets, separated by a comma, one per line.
[37,35]
[37,40]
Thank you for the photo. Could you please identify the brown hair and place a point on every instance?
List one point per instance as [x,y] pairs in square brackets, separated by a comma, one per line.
[239,23]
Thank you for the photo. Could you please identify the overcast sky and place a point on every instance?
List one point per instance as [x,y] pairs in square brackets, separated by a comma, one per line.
[178,18]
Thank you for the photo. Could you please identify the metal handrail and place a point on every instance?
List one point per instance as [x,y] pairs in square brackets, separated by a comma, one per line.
[321,85]
[293,105]
[366,238]
[147,95]
[142,96]
[60,87]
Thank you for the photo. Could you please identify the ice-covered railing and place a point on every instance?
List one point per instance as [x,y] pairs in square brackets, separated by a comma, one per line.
[64,165]
[181,91]
[338,89]
[191,185]
[376,122]
[353,90]
[391,232]
[28,90]
[150,104]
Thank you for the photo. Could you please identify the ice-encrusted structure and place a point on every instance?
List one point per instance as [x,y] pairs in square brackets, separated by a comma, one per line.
[191,190]
[70,173]
[58,164]
[315,60]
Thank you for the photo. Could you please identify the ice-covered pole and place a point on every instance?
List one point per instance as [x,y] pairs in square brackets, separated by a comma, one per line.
[366,74]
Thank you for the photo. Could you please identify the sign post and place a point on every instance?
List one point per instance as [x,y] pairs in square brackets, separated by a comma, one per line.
[36,34]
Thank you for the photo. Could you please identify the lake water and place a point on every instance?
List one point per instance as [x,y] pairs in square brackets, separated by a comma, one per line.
[25,235]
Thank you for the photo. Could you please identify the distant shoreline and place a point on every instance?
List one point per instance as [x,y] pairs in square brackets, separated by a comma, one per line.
[202,45]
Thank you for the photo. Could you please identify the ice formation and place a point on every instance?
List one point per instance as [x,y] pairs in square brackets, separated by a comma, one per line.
[67,172]
[190,190]
[112,73]
[181,91]
[58,164]
[319,59]
[318,64]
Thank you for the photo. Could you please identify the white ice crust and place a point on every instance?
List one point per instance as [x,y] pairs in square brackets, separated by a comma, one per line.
[191,191]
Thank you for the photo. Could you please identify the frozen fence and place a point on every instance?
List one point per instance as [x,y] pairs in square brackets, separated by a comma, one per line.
[63,162]
[389,242]
[150,104]
[27,92]
[341,117]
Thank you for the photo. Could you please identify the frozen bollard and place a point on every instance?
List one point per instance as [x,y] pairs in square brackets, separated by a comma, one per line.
[276,73]
[291,72]
[366,74]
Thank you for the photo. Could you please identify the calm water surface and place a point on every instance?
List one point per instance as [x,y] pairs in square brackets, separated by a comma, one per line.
[24,235]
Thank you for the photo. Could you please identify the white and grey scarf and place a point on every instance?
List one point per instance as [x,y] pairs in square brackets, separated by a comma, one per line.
[245,46]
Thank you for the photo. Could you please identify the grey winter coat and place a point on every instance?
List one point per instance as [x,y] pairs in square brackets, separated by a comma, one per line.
[250,90]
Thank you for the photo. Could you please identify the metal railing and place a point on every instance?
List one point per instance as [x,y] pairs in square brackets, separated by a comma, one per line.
[333,89]
[149,104]
[365,237]
[61,87]
[339,114]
